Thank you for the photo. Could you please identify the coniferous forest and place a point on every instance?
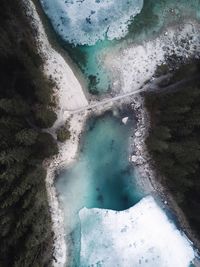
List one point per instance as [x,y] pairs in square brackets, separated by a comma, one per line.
[26,107]
[174,139]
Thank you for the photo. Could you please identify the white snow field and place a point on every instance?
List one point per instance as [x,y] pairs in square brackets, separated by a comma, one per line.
[141,236]
[88,21]
[131,67]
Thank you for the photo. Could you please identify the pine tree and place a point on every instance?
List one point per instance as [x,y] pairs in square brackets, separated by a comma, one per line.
[27,137]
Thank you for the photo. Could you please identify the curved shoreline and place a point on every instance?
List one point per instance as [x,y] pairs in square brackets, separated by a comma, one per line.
[69,94]
[54,40]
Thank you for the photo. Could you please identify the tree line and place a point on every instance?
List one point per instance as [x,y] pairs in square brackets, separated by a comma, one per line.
[174,141]
[26,107]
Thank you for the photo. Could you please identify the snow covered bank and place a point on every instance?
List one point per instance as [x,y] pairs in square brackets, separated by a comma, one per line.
[141,236]
[88,21]
[70,96]
[149,178]
[133,65]
[68,89]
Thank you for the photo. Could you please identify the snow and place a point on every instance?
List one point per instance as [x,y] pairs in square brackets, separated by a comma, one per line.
[96,19]
[134,65]
[69,90]
[140,236]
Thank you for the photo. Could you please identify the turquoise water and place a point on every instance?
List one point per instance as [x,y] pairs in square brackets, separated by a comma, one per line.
[102,177]
[90,61]
[103,166]
[98,77]
[153,17]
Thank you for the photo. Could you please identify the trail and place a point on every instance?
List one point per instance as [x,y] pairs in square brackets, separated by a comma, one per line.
[106,101]
[152,86]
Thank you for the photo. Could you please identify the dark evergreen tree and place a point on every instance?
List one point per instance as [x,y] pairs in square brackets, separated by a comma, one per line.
[174,143]
[26,104]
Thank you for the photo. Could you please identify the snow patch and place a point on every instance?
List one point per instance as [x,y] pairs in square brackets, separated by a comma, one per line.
[140,236]
[132,67]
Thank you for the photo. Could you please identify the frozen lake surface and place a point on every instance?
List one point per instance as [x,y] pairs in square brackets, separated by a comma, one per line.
[88,21]
[141,236]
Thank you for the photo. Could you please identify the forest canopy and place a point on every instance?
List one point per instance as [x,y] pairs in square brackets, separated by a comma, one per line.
[174,140]
[26,107]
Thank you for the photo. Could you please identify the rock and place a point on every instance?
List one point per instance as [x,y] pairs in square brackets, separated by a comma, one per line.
[124,120]
[138,134]
[132,106]
[136,105]
[137,159]
[140,160]
[134,158]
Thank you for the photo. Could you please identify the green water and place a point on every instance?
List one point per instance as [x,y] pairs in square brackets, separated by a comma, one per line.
[98,77]
[102,177]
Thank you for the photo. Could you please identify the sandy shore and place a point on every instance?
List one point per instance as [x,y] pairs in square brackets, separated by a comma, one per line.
[70,95]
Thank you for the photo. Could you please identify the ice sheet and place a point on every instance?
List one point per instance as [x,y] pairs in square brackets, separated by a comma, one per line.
[87,21]
[141,236]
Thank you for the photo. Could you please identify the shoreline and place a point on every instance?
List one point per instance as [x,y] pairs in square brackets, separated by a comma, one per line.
[63,159]
[69,95]
[54,40]
[132,66]
[145,167]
